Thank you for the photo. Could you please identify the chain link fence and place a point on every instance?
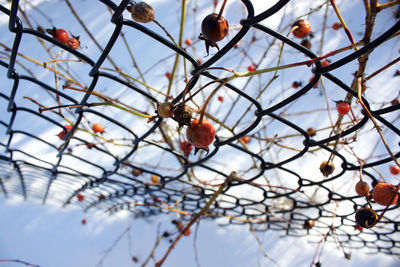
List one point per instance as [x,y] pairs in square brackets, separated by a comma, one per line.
[265,157]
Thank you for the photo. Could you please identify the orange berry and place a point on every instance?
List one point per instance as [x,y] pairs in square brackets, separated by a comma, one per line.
[301,28]
[383,193]
[98,128]
[394,169]
[362,188]
[155,179]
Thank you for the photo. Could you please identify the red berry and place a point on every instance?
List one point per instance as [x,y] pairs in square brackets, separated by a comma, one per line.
[215,3]
[362,188]
[98,128]
[220,98]
[311,132]
[80,197]
[200,135]
[359,228]
[394,169]
[83,221]
[187,232]
[63,133]
[383,193]
[168,75]
[61,35]
[188,42]
[245,139]
[101,197]
[251,68]
[135,259]
[296,85]
[186,147]
[325,63]
[199,62]
[301,28]
[214,29]
[73,43]
[336,26]
[343,107]
[308,224]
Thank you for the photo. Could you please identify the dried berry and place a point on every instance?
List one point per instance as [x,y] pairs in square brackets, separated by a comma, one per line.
[142,12]
[183,115]
[366,217]
[165,109]
[362,188]
[311,132]
[327,168]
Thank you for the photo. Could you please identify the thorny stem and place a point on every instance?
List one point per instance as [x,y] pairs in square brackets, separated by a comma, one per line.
[345,28]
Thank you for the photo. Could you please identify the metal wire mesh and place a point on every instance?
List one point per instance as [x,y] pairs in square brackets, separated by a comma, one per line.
[112,173]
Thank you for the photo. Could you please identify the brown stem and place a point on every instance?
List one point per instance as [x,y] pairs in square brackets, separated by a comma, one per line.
[221,10]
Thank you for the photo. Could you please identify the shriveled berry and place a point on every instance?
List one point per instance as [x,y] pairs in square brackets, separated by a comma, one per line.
[301,28]
[385,194]
[101,197]
[366,217]
[362,188]
[327,168]
[142,12]
[165,109]
[183,115]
